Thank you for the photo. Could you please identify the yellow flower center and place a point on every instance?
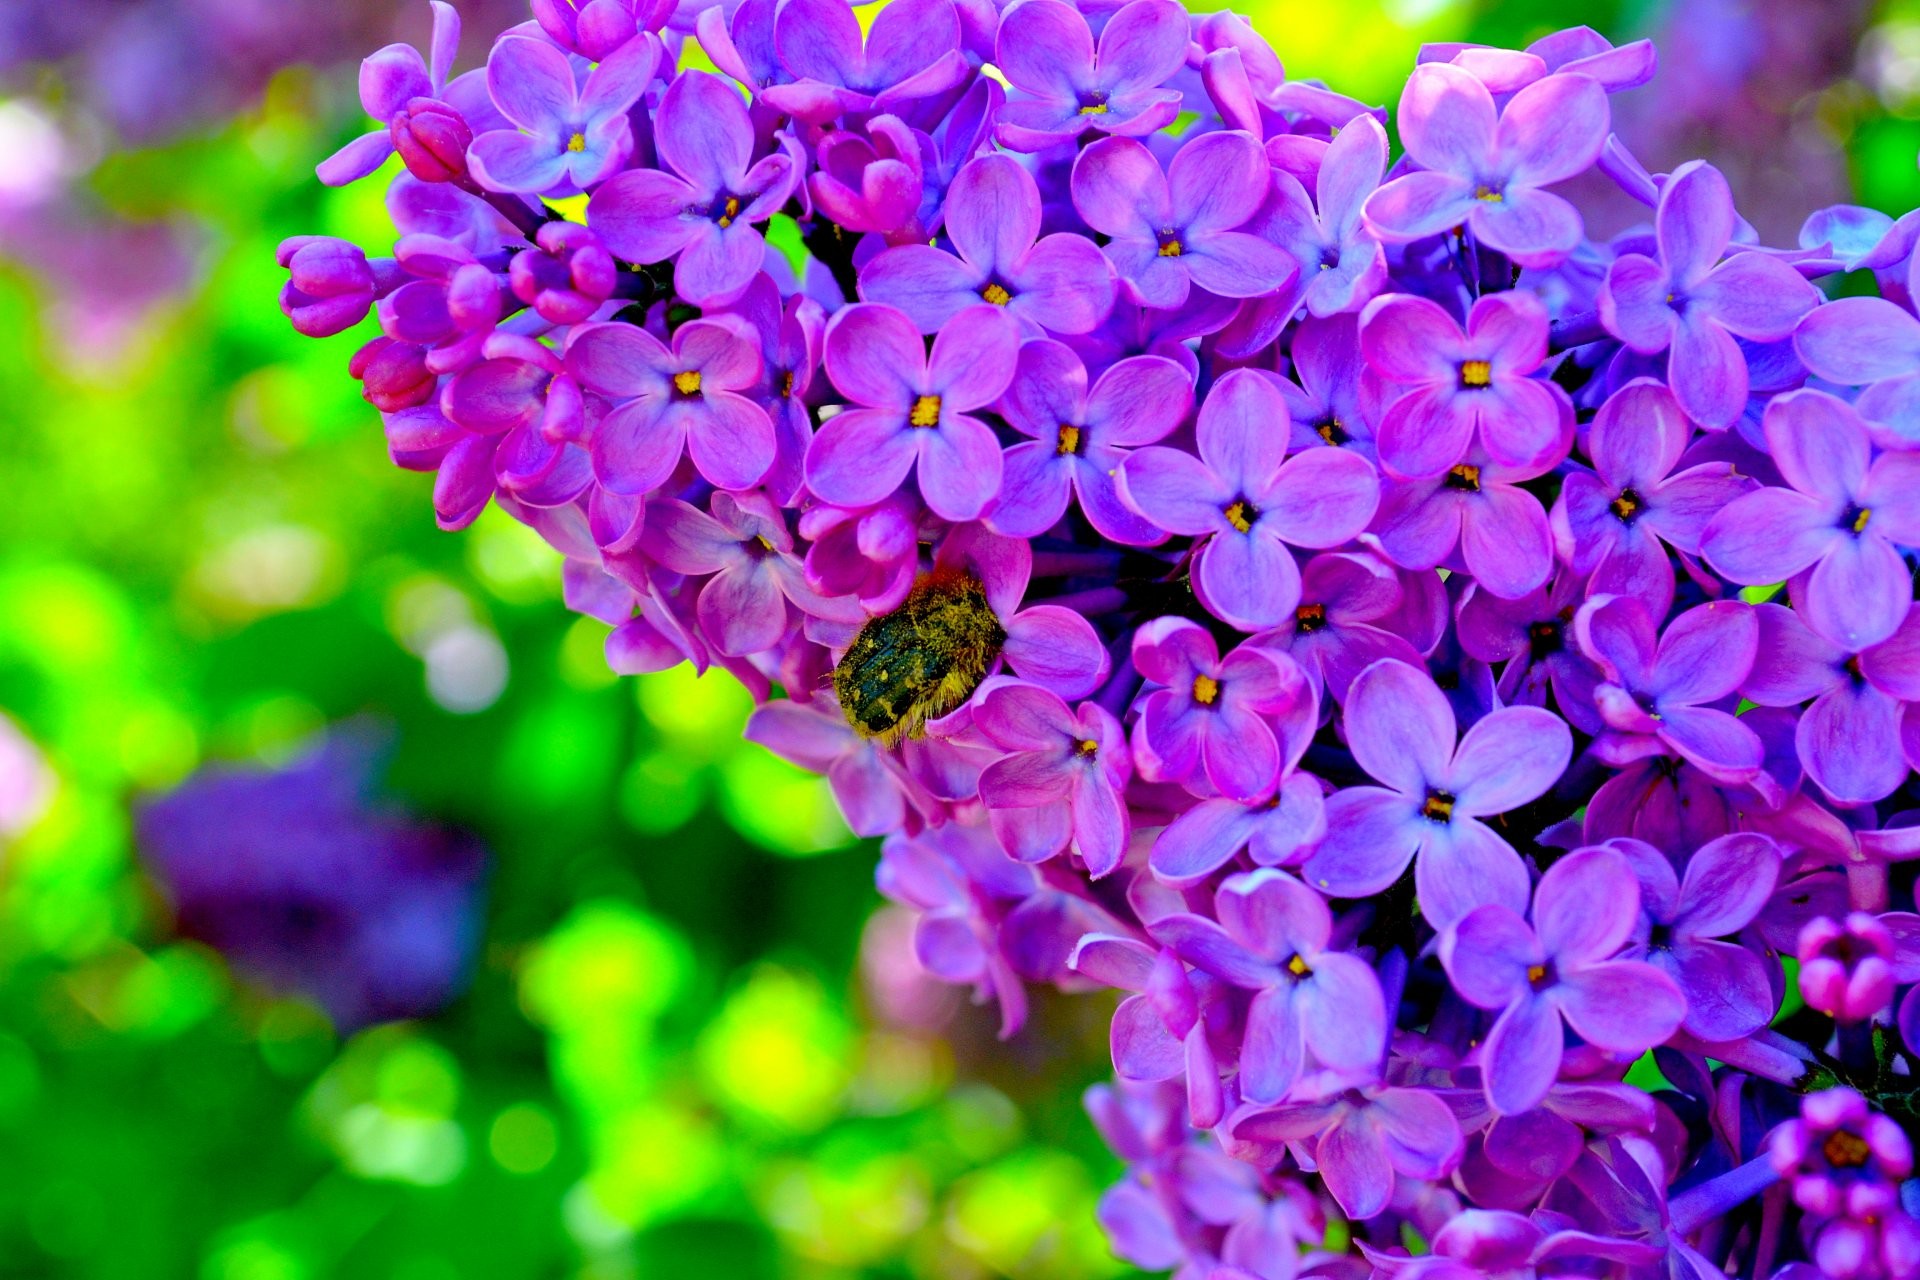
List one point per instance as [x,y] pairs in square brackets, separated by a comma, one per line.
[1240,514]
[925,412]
[786,385]
[1088,747]
[1489,195]
[1465,477]
[1170,247]
[1332,432]
[1094,109]
[578,142]
[997,295]
[1298,968]
[1310,617]
[729,212]
[1845,1150]
[1626,505]
[1069,440]
[1476,373]
[1860,521]
[687,382]
[1536,972]
[1438,808]
[1205,690]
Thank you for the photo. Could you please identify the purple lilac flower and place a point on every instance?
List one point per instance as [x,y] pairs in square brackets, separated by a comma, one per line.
[911,53]
[390,81]
[1871,343]
[685,399]
[1849,739]
[1273,938]
[1658,688]
[1342,262]
[1068,86]
[1693,305]
[1475,515]
[1066,772]
[570,276]
[595,29]
[1401,731]
[1170,233]
[1250,499]
[1162,1030]
[871,789]
[1058,282]
[570,135]
[309,882]
[1615,523]
[1209,716]
[912,409]
[1533,636]
[701,209]
[1456,389]
[1727,882]
[1081,436]
[1845,1163]
[1362,1138]
[1844,518]
[1335,632]
[1559,968]
[1485,168]
[330,285]
[1324,398]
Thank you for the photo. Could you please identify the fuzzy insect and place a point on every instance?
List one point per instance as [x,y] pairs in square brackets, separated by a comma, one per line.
[920,661]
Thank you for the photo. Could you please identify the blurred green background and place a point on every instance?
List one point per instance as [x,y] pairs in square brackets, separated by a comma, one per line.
[673,1058]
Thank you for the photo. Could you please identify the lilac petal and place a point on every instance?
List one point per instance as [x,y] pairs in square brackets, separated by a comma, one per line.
[1142,1047]
[1217,181]
[719,263]
[1695,221]
[704,132]
[1521,1056]
[1553,129]
[959,467]
[1201,841]
[1119,189]
[1423,1137]
[1506,541]
[930,285]
[1400,727]
[1534,228]
[1621,1006]
[531,83]
[974,358]
[1509,758]
[1465,865]
[394,76]
[1271,1053]
[356,160]
[1854,341]
[1487,954]
[1447,119]
[1248,579]
[1349,173]
[1849,741]
[642,215]
[1353,1161]
[617,83]
[1411,339]
[1538,1145]
[993,211]
[1819,445]
[1344,1013]
[1725,987]
[1521,425]
[1425,432]
[1056,649]
[1757,297]
[1235,264]
[874,356]
[1139,400]
[1859,593]
[1114,961]
[1034,486]
[742,608]
[507,161]
[1236,432]
[860,456]
[1100,823]
[1239,754]
[465,482]
[1792,663]
[1893,665]
[1143,44]
[1045,49]
[1634,303]
[1728,881]
[1585,907]
[1206,946]
[1063,284]
[1174,490]
[911,39]
[1715,741]
[1891,492]
[637,446]
[1768,535]
[1705,653]
[1326,497]
[1419,205]
[1707,372]
[731,443]
[1100,501]
[1273,914]
[1371,836]
[1638,435]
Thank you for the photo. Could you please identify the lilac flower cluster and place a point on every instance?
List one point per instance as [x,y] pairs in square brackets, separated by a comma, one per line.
[1426,660]
[308,883]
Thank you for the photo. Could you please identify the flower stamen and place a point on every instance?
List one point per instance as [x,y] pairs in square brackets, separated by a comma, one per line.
[925,412]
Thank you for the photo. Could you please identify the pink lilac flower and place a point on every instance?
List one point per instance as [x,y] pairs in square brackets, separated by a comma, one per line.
[1337,631]
[701,209]
[571,276]
[1691,304]
[1455,389]
[389,81]
[570,134]
[1474,515]
[1485,167]
[1251,500]
[1064,775]
[1080,438]
[1209,715]
[1559,968]
[1057,282]
[1342,263]
[912,409]
[911,53]
[1401,731]
[1170,233]
[1362,1138]
[1068,86]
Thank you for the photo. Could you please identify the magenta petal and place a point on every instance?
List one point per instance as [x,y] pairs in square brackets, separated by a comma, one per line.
[1271,1053]
[860,456]
[930,285]
[1200,841]
[1768,536]
[1174,490]
[1854,341]
[1859,593]
[1371,836]
[1707,372]
[1057,649]
[1446,118]
[1586,907]
[1423,1137]
[1465,865]
[1553,129]
[1344,1013]
[1506,541]
[1509,758]
[1487,955]
[1621,1006]
[1715,741]
[1326,497]
[1353,1161]
[1819,444]
[637,446]
[1034,486]
[731,441]
[1534,228]
[959,467]
[1248,579]
[1400,727]
[1419,205]
[1521,1056]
